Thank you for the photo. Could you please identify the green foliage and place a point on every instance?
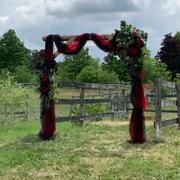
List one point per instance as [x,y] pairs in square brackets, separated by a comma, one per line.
[130,43]
[88,74]
[178,77]
[155,69]
[14,98]
[73,65]
[106,76]
[116,64]
[82,67]
[12,51]
[128,59]
[177,36]
[23,74]
[94,74]
[91,109]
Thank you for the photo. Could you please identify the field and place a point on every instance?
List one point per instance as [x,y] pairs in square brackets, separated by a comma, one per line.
[99,150]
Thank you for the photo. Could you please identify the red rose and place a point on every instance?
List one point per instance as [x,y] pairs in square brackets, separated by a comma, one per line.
[135,34]
[133,52]
[45,79]
[44,90]
[139,43]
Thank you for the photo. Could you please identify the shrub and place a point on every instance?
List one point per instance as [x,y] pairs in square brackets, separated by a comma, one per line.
[23,74]
[92,74]
[14,98]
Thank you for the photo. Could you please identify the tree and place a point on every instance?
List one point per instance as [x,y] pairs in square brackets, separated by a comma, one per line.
[115,64]
[177,36]
[12,51]
[23,74]
[155,69]
[73,65]
[92,74]
[169,53]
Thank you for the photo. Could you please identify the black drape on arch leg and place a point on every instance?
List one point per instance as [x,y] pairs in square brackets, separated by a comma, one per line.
[137,122]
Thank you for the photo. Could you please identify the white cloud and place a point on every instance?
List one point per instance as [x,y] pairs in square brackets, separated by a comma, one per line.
[3,19]
[172,6]
[34,18]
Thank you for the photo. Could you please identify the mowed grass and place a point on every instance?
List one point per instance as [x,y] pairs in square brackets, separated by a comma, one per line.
[95,151]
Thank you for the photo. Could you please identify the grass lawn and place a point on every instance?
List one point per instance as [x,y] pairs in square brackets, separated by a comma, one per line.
[96,151]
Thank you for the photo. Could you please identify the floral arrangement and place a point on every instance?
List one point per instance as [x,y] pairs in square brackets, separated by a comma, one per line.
[130,42]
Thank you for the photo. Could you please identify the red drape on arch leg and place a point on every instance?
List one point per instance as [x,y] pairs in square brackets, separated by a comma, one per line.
[137,122]
[48,123]
[47,103]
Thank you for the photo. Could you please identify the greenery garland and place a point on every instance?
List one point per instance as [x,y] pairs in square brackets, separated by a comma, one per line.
[45,72]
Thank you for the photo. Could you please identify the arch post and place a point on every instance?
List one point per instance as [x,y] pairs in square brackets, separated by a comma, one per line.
[47,110]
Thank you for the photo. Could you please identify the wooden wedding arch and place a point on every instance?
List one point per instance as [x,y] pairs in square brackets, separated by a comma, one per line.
[72,44]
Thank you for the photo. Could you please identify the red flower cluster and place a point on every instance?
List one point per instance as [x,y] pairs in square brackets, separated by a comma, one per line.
[139,43]
[45,79]
[44,90]
[135,50]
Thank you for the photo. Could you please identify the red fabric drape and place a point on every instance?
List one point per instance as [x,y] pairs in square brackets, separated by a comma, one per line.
[48,123]
[137,124]
[47,116]
[78,43]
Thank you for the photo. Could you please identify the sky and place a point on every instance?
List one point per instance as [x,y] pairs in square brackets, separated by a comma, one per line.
[32,19]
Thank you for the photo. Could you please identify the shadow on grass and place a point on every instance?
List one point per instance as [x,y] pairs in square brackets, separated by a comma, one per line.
[30,139]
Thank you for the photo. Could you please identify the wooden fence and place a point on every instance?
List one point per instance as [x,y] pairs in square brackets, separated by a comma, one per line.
[114,101]
[119,102]
[159,122]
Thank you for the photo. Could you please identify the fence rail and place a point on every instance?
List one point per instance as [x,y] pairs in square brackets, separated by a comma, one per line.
[84,117]
[64,84]
[113,100]
[80,101]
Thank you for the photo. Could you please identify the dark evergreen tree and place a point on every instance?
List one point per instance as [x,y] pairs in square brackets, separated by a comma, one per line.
[13,53]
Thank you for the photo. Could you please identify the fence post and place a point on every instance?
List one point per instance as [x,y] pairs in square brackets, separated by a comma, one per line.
[71,108]
[158,97]
[109,97]
[123,94]
[178,102]
[82,106]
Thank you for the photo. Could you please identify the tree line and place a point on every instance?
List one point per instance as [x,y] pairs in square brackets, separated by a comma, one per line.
[17,60]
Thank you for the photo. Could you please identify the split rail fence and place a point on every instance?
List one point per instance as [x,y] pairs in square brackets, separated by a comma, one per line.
[116,98]
[117,102]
